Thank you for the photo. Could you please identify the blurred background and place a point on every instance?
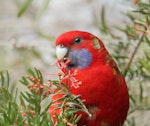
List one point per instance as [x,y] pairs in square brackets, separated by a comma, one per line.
[29,40]
[28,29]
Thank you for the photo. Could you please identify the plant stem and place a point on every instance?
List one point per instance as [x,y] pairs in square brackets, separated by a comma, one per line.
[133,54]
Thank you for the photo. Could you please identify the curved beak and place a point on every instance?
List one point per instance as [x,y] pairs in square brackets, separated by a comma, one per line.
[61,51]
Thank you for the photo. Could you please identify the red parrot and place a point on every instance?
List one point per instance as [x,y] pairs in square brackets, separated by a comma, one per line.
[102,86]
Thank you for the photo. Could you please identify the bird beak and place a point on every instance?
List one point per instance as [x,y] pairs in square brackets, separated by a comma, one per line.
[61,51]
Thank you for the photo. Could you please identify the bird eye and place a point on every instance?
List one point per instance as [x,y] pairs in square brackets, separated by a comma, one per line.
[77,40]
[61,45]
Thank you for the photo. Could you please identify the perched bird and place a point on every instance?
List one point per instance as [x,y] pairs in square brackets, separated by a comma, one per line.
[102,86]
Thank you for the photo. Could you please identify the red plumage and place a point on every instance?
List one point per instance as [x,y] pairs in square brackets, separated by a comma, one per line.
[103,87]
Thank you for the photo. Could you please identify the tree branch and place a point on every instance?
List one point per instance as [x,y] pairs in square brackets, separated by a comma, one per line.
[133,54]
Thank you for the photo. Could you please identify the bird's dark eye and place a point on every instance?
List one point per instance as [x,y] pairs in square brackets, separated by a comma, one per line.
[77,40]
[61,45]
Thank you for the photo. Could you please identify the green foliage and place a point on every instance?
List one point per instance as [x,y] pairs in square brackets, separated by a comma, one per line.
[25,5]
[9,110]
[30,111]
[5,96]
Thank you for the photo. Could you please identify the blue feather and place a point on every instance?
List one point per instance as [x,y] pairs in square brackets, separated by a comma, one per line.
[79,58]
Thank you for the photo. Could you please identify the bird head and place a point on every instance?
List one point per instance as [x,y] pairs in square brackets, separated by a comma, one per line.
[81,48]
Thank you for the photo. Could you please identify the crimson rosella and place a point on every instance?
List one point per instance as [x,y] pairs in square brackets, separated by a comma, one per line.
[102,86]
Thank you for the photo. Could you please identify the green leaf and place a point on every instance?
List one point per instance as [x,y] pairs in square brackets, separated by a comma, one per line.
[42,9]
[39,75]
[24,81]
[22,102]
[141,92]
[133,101]
[103,21]
[2,79]
[8,79]
[31,72]
[24,7]
[140,22]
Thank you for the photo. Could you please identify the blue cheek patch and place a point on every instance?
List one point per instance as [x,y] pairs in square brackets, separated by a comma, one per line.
[80,58]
